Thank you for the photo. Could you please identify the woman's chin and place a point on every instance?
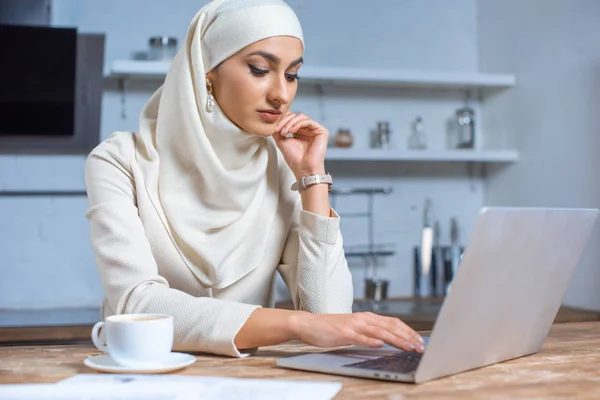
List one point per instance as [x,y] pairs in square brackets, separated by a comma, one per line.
[262,130]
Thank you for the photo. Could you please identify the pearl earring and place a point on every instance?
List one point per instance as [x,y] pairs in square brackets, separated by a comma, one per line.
[211,99]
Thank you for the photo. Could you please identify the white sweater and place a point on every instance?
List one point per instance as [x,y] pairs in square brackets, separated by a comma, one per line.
[142,271]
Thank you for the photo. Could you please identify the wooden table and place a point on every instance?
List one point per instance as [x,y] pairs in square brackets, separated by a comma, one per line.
[568,366]
[419,314]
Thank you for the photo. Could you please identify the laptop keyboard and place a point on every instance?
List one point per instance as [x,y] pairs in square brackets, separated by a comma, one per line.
[403,362]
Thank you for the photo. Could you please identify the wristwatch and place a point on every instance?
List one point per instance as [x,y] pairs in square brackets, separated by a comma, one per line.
[311,180]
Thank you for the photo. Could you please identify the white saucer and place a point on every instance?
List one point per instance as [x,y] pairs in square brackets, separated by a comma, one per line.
[173,362]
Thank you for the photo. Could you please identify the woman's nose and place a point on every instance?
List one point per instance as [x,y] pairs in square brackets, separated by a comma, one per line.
[279,91]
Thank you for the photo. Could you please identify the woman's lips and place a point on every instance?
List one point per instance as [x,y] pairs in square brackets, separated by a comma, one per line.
[268,116]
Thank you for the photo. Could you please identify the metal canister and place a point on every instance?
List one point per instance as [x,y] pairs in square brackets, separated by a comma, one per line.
[380,137]
[376,289]
[383,128]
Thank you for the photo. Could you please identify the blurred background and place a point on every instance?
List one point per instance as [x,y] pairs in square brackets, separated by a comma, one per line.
[435,109]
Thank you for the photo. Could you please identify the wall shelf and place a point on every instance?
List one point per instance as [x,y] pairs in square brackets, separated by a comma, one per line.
[346,76]
[405,78]
[139,69]
[390,78]
[483,156]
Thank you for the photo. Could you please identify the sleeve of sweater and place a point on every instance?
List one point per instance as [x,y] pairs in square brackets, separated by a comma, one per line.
[129,272]
[313,264]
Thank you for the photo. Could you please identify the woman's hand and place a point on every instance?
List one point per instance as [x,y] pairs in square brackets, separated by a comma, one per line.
[305,151]
[361,329]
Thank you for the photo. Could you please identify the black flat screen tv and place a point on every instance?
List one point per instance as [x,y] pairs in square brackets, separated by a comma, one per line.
[50,89]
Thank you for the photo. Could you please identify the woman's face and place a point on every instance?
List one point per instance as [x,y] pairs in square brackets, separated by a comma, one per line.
[256,86]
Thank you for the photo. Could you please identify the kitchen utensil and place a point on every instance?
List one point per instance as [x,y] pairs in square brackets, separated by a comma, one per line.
[376,289]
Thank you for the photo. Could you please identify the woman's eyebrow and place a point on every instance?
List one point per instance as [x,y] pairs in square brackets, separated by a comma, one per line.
[273,57]
[296,62]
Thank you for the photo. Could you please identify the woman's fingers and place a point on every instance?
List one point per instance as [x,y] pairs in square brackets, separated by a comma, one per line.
[388,337]
[398,329]
[284,121]
[359,329]
[307,123]
[278,139]
[358,339]
[290,125]
[395,324]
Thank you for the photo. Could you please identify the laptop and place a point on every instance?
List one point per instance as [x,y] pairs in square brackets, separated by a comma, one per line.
[503,300]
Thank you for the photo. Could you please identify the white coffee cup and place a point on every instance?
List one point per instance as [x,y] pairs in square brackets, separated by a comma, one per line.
[136,340]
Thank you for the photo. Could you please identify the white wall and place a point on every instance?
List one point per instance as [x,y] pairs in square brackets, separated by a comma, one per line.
[553,47]
[412,34]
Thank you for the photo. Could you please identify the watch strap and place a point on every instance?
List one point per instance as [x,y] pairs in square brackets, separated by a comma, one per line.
[311,180]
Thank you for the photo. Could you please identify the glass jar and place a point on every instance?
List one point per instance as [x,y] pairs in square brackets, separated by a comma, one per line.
[417,139]
[162,48]
[465,125]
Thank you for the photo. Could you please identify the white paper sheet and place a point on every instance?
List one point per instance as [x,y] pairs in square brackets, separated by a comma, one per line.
[101,391]
[223,388]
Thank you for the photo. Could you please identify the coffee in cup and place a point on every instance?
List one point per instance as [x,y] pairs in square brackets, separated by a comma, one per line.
[136,340]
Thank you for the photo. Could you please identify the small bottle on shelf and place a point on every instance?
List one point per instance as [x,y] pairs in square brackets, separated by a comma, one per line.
[417,139]
[465,122]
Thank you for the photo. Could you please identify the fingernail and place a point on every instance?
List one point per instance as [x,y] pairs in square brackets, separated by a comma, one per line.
[420,348]
[409,346]
[421,339]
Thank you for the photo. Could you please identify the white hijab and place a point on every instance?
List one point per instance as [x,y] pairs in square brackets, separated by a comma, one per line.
[214,186]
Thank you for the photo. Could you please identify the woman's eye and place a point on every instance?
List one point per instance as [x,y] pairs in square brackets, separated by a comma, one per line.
[291,77]
[257,71]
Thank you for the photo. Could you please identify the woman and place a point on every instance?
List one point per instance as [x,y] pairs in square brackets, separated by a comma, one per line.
[193,214]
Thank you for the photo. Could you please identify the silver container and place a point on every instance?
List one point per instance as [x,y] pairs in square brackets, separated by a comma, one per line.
[380,137]
[376,289]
